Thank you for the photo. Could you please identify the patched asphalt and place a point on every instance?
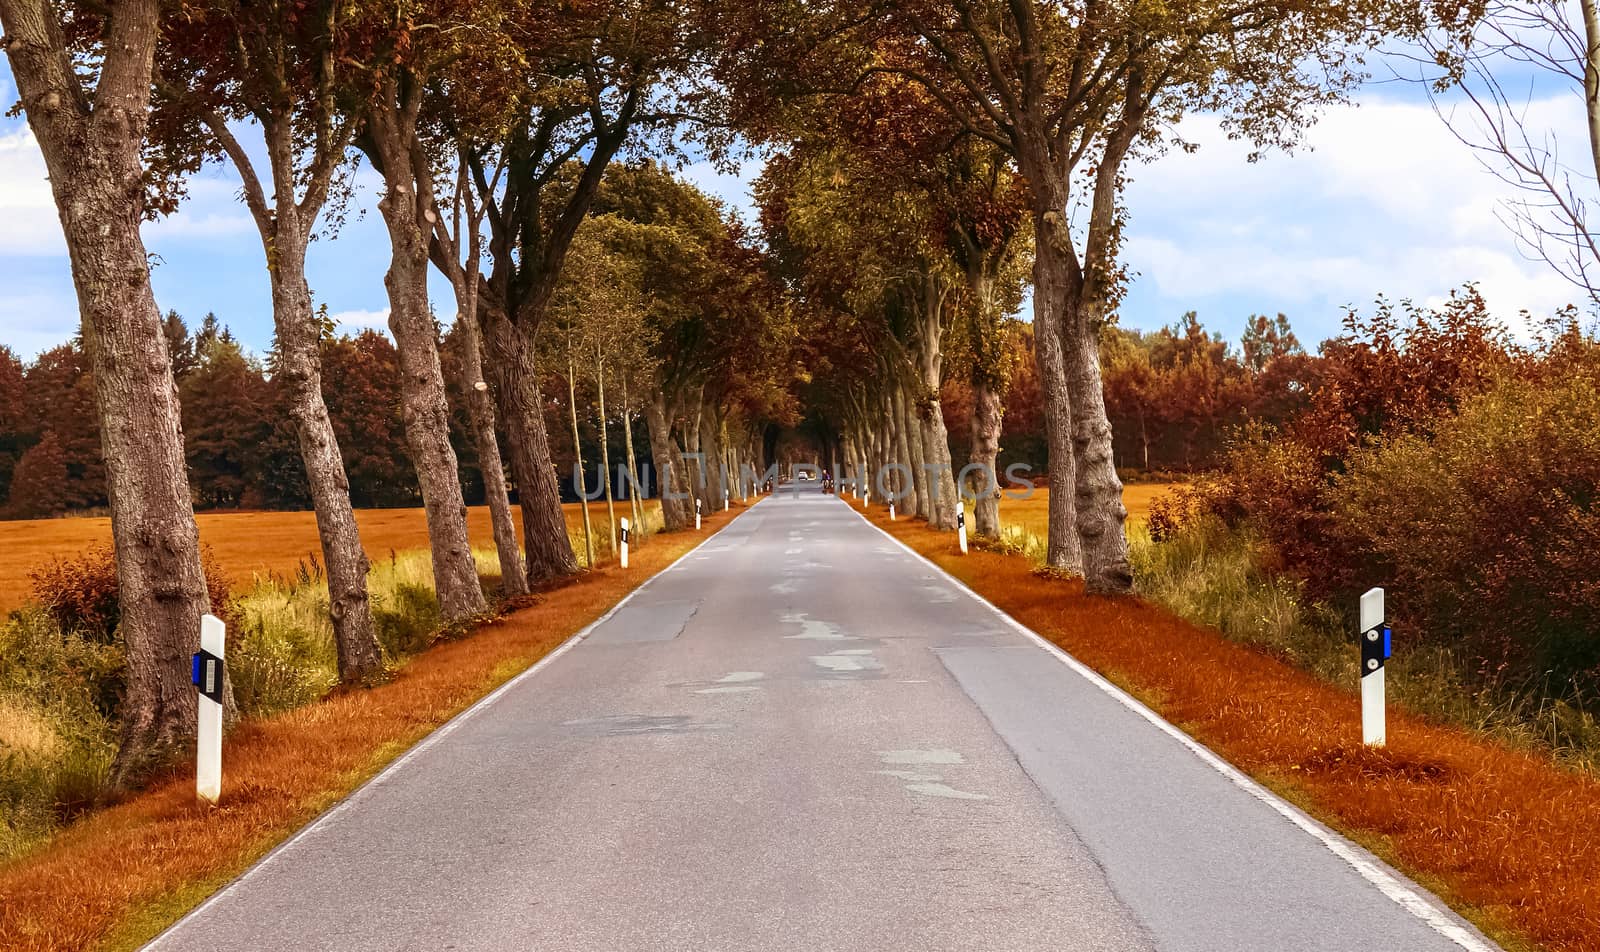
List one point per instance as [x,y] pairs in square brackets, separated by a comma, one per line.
[802,737]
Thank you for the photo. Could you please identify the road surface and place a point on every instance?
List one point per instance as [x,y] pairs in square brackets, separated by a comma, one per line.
[804,737]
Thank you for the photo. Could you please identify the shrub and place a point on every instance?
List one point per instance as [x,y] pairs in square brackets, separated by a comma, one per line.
[1212,574]
[281,655]
[1486,531]
[1453,467]
[81,592]
[406,617]
[57,735]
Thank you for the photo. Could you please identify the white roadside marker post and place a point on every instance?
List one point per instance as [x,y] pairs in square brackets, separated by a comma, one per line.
[891,510]
[207,674]
[697,514]
[623,522]
[1375,651]
[726,503]
[961,527]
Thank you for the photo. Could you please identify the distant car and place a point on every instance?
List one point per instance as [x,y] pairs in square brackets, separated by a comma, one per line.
[804,476]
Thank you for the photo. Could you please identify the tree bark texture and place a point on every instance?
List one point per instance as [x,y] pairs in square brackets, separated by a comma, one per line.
[300,364]
[670,479]
[986,421]
[480,410]
[711,446]
[91,145]
[547,547]
[1050,276]
[1100,512]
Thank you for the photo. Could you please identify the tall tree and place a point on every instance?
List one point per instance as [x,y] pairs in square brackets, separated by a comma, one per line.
[1072,92]
[85,78]
[716,339]
[38,487]
[598,77]
[60,399]
[362,377]
[224,399]
[279,66]
[461,260]
[405,50]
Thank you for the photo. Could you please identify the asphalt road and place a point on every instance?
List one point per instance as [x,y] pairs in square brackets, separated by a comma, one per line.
[804,737]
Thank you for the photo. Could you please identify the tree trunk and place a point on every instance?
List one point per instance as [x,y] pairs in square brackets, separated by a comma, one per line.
[634,500]
[1100,512]
[902,454]
[1144,441]
[941,482]
[516,387]
[605,449]
[929,410]
[97,180]
[986,420]
[711,446]
[406,204]
[670,478]
[300,366]
[577,468]
[1591,78]
[427,414]
[1050,276]
[480,408]
[919,476]
[691,446]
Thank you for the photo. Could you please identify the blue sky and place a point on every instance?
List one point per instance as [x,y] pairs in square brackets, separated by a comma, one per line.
[1382,199]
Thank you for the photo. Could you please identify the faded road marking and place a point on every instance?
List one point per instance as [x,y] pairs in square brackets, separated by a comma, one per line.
[943,790]
[935,756]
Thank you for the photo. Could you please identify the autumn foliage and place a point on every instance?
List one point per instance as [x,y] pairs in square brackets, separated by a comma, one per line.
[1441,459]
[1505,836]
[239,437]
[121,874]
[80,592]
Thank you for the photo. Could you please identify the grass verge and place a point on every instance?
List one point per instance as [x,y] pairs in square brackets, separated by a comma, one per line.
[1504,836]
[118,876]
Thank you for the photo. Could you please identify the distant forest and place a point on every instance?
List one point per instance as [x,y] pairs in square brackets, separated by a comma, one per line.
[1173,395]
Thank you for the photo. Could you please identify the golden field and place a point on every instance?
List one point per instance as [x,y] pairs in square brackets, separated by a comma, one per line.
[251,544]
[1032,515]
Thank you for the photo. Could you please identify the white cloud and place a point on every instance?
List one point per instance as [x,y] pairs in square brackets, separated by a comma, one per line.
[352,322]
[33,228]
[26,204]
[190,224]
[211,209]
[1384,199]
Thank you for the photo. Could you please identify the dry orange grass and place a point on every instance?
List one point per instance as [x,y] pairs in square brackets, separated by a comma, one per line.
[1032,514]
[1507,837]
[248,544]
[118,876]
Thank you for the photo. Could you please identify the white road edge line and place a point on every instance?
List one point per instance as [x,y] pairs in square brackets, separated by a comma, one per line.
[1362,862]
[438,734]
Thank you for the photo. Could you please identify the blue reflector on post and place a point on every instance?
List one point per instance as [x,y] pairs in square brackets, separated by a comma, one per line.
[194,671]
[1387,652]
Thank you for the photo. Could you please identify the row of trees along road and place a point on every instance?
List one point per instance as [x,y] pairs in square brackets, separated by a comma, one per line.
[491,126]
[1067,94]
[240,440]
[929,153]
